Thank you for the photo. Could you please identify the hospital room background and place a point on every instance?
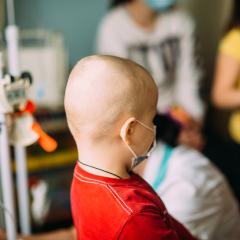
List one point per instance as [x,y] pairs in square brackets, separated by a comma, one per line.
[54,35]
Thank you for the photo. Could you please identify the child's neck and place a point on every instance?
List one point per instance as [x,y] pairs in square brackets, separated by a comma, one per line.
[102,163]
[103,171]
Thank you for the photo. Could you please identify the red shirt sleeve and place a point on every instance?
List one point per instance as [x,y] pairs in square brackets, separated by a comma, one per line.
[182,231]
[148,225]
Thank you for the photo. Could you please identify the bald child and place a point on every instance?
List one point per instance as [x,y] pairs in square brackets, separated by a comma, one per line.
[110,104]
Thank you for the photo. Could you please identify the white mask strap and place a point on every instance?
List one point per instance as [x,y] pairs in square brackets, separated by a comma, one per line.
[147,127]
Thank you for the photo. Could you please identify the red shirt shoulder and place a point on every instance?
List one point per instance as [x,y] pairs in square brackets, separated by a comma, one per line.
[107,208]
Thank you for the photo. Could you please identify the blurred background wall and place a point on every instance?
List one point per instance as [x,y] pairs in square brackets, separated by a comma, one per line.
[78,20]
[1,14]
[211,18]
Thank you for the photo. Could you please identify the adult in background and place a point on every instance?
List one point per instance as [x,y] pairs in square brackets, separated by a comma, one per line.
[224,140]
[194,191]
[157,35]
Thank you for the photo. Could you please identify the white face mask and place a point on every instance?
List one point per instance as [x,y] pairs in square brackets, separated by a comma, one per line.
[138,159]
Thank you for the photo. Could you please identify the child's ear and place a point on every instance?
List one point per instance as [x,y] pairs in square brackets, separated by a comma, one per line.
[127,130]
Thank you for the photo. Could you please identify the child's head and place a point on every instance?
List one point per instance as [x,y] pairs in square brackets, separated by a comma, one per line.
[105,98]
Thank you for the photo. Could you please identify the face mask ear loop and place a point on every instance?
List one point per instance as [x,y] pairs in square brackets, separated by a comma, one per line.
[131,150]
[133,153]
[123,129]
[147,127]
[153,147]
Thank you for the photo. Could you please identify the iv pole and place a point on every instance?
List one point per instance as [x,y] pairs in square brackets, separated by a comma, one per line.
[12,37]
[20,152]
[6,175]
[13,92]
[7,182]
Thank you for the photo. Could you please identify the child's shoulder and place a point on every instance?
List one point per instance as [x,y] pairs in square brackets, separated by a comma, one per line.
[112,202]
[123,196]
[138,196]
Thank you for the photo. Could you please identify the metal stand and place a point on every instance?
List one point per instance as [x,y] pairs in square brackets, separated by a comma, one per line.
[12,36]
[20,152]
[22,190]
[7,183]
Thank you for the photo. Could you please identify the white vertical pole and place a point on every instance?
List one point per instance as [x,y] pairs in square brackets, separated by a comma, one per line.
[6,176]
[22,190]
[7,184]
[12,36]
[20,152]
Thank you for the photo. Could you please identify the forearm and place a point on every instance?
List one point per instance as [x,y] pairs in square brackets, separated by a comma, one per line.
[226,92]
[226,99]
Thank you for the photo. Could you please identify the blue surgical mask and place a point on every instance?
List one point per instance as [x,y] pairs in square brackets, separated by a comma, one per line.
[136,160]
[160,5]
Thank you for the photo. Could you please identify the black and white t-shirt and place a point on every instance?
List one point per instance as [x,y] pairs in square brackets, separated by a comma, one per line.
[167,52]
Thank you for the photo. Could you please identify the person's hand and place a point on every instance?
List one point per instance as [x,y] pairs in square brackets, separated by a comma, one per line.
[2,235]
[191,136]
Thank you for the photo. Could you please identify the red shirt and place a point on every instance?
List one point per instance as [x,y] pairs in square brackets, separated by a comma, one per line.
[126,209]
